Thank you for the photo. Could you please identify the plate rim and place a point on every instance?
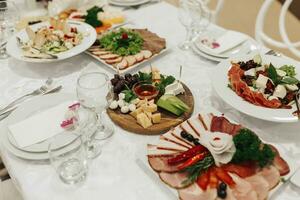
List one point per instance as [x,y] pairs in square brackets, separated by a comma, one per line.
[236,101]
[12,43]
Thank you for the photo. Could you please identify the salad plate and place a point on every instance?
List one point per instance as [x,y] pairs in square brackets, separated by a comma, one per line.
[206,157]
[125,49]
[37,151]
[266,93]
[149,103]
[51,41]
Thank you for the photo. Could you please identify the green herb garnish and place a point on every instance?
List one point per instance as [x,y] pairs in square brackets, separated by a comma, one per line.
[129,95]
[272,74]
[145,77]
[250,148]
[92,16]
[123,42]
[195,170]
[164,82]
[289,80]
[289,70]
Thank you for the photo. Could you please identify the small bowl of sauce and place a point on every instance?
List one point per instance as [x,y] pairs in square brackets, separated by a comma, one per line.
[145,91]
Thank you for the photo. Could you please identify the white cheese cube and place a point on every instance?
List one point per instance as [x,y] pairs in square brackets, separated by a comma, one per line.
[250,72]
[292,87]
[280,91]
[121,96]
[113,105]
[261,81]
[262,68]
[272,97]
[280,72]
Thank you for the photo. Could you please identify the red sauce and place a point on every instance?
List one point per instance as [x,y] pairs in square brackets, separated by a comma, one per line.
[145,91]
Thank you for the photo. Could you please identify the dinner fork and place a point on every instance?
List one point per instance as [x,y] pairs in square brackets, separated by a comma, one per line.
[38,91]
[273,53]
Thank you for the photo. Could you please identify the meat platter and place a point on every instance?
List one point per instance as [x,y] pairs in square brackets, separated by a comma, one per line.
[125,48]
[210,157]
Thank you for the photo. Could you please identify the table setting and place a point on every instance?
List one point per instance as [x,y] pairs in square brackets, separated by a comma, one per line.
[140,99]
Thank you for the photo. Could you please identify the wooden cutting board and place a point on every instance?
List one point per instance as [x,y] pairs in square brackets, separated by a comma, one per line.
[168,120]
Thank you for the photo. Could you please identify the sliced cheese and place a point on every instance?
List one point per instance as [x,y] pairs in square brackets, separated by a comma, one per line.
[261,81]
[136,112]
[156,118]
[143,120]
[280,91]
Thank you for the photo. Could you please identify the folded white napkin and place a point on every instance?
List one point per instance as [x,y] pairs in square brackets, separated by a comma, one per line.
[39,127]
[228,40]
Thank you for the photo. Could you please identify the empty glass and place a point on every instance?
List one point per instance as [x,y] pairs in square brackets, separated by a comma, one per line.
[68,156]
[9,16]
[93,90]
[194,17]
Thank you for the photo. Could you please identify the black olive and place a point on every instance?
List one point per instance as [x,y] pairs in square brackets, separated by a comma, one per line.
[183,134]
[117,76]
[190,138]
[119,87]
[196,142]
[222,186]
[128,77]
[114,81]
[222,194]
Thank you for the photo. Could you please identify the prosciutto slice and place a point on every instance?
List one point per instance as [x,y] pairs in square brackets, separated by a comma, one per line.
[194,192]
[260,185]
[175,180]
[221,124]
[243,190]
[272,176]
[280,163]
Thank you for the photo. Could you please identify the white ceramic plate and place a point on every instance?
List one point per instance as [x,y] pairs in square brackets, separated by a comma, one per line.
[125,3]
[37,151]
[283,153]
[207,56]
[89,38]
[220,80]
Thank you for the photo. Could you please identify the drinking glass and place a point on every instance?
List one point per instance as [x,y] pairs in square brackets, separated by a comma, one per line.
[93,91]
[9,16]
[193,17]
[68,156]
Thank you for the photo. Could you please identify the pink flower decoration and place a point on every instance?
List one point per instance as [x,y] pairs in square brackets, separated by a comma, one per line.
[75,106]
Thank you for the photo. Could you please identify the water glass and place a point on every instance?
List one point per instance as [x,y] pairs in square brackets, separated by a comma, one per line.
[93,91]
[68,156]
[9,16]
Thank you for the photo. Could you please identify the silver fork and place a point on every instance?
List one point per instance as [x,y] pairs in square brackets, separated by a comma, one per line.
[38,91]
[273,53]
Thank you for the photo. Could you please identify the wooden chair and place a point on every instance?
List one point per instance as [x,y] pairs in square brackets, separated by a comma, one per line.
[263,38]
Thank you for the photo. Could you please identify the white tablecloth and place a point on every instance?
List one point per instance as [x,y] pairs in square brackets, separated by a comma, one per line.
[115,175]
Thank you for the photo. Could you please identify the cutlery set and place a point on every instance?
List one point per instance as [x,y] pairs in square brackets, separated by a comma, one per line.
[43,90]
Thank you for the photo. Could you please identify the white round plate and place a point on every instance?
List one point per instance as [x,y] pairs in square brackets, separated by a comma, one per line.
[128,2]
[220,81]
[89,37]
[204,55]
[36,151]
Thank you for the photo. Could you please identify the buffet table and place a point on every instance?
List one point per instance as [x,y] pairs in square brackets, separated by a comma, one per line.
[115,174]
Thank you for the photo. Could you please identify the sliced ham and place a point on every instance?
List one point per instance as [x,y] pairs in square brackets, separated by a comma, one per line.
[147,54]
[139,57]
[160,164]
[167,144]
[243,190]
[130,60]
[272,176]
[176,132]
[152,150]
[100,52]
[187,128]
[260,185]
[169,136]
[109,56]
[174,180]
[113,61]
[194,192]
[122,65]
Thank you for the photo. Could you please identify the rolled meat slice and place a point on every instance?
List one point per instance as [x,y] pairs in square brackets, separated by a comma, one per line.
[174,180]
[194,192]
[243,190]
[272,176]
[260,185]
[160,164]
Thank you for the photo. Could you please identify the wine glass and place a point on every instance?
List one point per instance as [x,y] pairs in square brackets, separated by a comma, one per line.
[194,16]
[93,92]
[9,16]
